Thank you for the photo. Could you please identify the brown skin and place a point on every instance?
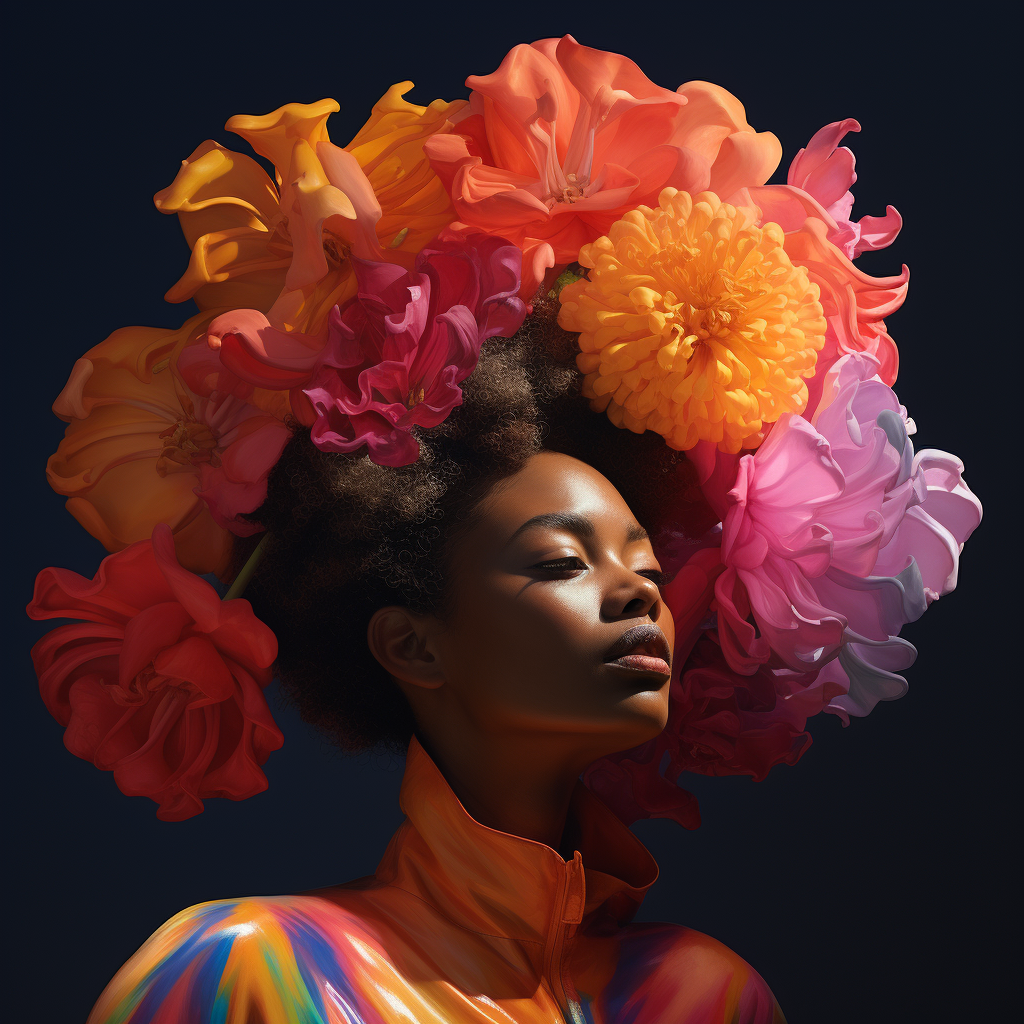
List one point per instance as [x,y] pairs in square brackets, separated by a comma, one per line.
[511,694]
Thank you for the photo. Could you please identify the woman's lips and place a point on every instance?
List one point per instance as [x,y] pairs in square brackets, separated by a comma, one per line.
[642,663]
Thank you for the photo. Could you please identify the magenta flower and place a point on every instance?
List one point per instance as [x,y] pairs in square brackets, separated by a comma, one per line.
[396,354]
[824,170]
[728,724]
[836,535]
[720,723]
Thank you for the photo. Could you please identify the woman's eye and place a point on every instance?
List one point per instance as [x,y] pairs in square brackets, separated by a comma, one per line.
[659,578]
[562,564]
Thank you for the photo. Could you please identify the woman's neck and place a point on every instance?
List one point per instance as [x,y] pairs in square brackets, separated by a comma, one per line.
[522,785]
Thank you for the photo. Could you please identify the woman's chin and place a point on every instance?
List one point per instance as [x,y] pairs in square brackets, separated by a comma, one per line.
[639,717]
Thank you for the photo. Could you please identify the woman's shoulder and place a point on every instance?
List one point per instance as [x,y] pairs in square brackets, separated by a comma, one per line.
[686,970]
[266,958]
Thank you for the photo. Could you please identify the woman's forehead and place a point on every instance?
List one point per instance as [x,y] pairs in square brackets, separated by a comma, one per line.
[557,491]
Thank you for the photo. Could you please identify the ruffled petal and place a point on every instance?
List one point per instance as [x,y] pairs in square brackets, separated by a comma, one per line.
[395,356]
[162,683]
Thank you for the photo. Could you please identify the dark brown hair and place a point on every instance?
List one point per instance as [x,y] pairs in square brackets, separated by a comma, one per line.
[348,536]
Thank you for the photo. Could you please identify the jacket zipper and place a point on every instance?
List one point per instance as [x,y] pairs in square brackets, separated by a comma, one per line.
[571,902]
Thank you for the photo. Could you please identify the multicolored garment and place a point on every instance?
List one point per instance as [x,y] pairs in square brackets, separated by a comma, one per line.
[460,924]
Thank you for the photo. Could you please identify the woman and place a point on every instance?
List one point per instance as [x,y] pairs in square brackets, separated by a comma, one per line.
[525,639]
[316,400]
[504,657]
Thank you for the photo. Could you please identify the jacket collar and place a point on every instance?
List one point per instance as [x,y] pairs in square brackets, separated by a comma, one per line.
[497,883]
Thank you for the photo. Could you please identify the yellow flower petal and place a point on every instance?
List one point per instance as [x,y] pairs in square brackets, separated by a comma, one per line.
[389,148]
[284,250]
[274,135]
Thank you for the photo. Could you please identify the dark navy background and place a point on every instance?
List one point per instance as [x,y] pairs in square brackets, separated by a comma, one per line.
[868,883]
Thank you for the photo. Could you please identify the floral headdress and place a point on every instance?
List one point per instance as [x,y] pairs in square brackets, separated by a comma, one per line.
[351,296]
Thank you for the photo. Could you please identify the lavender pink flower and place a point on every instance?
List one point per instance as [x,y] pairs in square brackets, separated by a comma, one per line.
[836,535]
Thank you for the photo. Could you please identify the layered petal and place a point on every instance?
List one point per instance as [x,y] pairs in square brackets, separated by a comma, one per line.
[825,171]
[389,148]
[228,210]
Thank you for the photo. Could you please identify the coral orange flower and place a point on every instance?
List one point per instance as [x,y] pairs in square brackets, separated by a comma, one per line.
[855,303]
[694,323]
[282,250]
[562,140]
[141,448]
[824,170]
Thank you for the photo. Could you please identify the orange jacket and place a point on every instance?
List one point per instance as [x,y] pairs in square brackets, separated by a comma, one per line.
[460,924]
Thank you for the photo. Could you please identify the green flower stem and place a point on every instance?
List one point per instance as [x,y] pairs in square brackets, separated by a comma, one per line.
[245,574]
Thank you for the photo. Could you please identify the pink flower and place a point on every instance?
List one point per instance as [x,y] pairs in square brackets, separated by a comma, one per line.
[258,355]
[836,535]
[237,482]
[249,440]
[826,173]
[397,353]
[162,683]
[562,140]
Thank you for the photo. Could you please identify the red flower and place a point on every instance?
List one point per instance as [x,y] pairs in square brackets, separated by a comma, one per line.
[162,684]
[631,782]
[722,723]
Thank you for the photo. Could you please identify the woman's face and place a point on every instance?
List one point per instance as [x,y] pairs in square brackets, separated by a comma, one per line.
[553,575]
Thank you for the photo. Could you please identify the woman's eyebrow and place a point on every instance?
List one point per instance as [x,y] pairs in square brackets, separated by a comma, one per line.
[581,525]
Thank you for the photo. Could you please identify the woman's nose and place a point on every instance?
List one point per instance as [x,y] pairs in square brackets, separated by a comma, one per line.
[633,597]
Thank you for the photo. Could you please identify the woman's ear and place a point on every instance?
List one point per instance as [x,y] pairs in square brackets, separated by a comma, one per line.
[400,640]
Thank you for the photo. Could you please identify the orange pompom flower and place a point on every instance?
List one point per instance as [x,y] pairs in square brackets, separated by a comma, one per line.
[694,323]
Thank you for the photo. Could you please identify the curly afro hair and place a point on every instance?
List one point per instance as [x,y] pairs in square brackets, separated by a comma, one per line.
[348,536]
